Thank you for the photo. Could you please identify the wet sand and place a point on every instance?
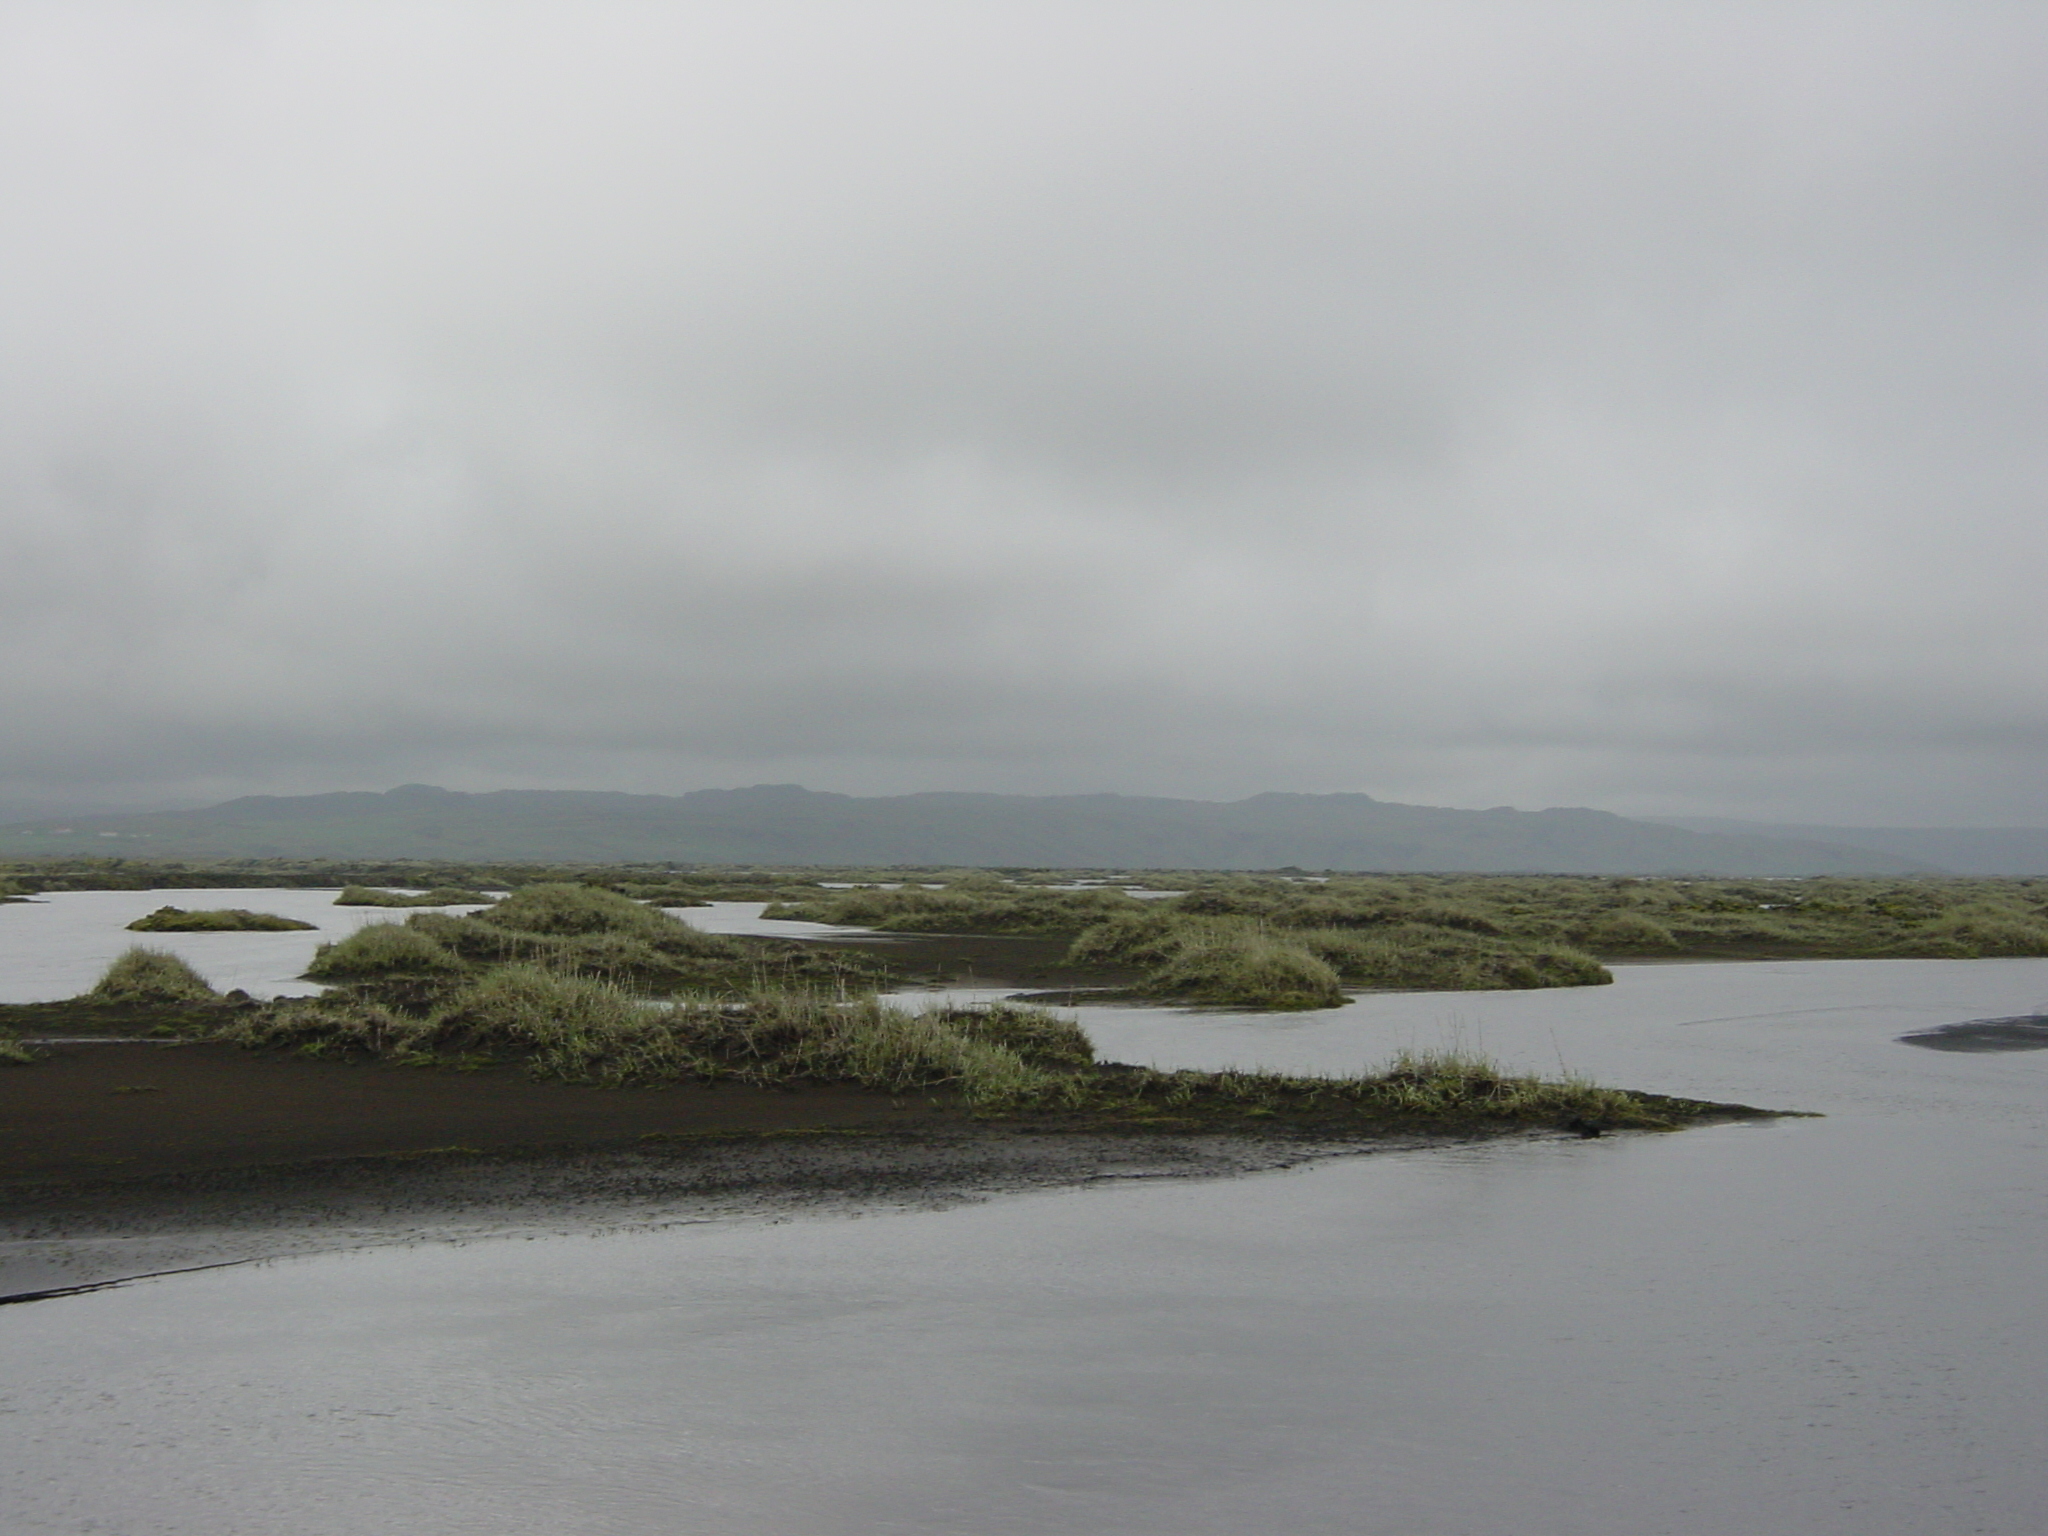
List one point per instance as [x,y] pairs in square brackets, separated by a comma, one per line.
[61,1238]
[142,1109]
[138,1158]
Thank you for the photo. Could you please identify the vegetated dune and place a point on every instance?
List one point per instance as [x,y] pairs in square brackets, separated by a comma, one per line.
[1294,941]
[217,920]
[405,994]
[440,896]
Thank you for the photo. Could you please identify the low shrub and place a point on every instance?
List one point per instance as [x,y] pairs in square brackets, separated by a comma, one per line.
[151,976]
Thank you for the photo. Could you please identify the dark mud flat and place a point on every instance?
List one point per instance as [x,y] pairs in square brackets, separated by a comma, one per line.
[144,1108]
[2027,1032]
[149,1156]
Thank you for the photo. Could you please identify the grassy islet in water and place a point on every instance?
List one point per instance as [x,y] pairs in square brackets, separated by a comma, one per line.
[555,979]
[440,896]
[216,920]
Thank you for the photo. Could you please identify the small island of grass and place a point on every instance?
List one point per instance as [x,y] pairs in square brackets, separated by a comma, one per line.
[440,896]
[217,920]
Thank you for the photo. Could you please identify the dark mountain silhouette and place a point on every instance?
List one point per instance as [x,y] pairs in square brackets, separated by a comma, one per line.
[2008,851]
[784,824]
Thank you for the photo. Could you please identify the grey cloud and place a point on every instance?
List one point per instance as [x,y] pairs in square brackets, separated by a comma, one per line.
[1533,404]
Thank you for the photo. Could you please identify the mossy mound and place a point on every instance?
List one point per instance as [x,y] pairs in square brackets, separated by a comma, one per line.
[1247,962]
[383,951]
[1246,968]
[217,920]
[440,896]
[145,976]
[577,931]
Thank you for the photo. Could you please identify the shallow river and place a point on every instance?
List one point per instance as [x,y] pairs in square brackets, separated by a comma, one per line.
[1808,1326]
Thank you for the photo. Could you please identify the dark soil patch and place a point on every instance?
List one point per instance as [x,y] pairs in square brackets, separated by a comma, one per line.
[142,1109]
[86,1016]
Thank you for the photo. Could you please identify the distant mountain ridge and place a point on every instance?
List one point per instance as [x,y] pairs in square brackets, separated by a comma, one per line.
[785,824]
[2014,852]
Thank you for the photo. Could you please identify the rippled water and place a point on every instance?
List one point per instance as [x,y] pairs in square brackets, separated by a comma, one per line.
[1823,1326]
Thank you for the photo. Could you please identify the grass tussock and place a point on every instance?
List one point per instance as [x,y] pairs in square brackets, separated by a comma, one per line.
[216,920]
[574,1029]
[384,952]
[1245,966]
[979,903]
[1456,1087]
[1247,962]
[440,896]
[564,910]
[581,932]
[151,976]
[1459,932]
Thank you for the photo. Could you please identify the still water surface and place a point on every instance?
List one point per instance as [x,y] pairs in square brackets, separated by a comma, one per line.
[57,945]
[1813,1326]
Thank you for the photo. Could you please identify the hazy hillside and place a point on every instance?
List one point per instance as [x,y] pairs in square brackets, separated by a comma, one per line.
[783,824]
[2006,851]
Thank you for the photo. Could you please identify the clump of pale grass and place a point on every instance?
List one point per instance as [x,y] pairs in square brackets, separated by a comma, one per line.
[1244,965]
[383,952]
[581,1029]
[142,975]
[334,1024]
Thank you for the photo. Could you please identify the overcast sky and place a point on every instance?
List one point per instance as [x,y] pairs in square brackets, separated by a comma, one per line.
[1631,405]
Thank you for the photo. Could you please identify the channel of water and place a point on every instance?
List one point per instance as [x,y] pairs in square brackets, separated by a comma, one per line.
[1826,1326]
